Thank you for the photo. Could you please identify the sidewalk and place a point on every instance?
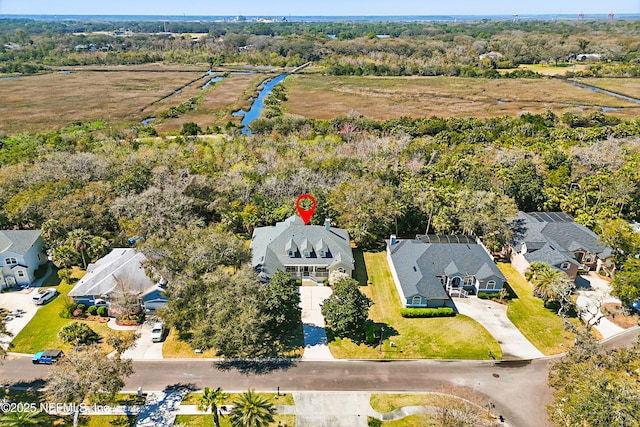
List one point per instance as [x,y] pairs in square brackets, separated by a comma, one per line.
[315,338]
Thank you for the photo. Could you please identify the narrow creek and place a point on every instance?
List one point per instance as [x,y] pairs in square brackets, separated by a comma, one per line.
[604,91]
[258,104]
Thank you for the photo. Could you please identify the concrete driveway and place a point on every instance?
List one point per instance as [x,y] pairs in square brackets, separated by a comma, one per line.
[593,291]
[315,337]
[21,310]
[145,349]
[493,316]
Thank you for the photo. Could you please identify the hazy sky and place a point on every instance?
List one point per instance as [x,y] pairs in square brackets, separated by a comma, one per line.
[323,7]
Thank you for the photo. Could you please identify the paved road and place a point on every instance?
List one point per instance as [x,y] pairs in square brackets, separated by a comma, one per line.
[518,388]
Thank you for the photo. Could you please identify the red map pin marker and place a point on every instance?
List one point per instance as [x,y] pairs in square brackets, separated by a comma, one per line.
[306,214]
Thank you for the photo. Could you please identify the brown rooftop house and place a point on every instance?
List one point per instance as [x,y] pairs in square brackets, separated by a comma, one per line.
[307,252]
[555,239]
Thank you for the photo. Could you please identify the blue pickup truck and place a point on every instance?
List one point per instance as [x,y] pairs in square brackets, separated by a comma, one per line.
[46,357]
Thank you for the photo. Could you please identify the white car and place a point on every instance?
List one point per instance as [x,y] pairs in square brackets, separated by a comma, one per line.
[156,331]
[43,297]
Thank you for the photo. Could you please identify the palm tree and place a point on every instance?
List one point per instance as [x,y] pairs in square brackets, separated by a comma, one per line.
[547,283]
[3,333]
[23,419]
[212,399]
[64,256]
[80,240]
[251,410]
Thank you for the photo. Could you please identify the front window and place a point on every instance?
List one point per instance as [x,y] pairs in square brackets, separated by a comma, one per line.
[491,284]
[417,300]
[291,269]
[20,273]
[565,266]
[10,261]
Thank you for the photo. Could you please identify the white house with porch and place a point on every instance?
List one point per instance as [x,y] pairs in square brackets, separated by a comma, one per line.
[307,252]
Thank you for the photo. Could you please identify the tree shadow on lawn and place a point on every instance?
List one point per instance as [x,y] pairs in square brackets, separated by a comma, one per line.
[360,272]
[370,335]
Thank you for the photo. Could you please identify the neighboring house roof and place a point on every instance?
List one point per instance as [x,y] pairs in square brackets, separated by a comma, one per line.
[18,241]
[124,264]
[553,238]
[270,246]
[419,262]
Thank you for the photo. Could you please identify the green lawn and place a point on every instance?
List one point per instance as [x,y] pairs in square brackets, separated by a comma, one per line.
[389,402]
[457,337]
[207,421]
[41,332]
[540,325]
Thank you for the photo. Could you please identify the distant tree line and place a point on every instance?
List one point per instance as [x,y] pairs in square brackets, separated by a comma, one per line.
[343,48]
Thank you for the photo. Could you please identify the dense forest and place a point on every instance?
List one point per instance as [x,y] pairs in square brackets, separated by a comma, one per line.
[376,48]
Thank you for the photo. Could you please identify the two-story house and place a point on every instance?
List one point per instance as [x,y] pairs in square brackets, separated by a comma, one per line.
[21,253]
[307,252]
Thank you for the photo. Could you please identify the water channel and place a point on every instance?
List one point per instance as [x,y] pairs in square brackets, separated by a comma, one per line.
[604,91]
[258,104]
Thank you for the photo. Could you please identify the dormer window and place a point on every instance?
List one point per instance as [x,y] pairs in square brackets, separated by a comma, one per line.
[291,248]
[10,261]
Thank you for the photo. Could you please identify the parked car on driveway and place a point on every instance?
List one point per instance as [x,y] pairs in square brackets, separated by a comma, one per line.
[43,297]
[157,331]
[46,357]
[635,306]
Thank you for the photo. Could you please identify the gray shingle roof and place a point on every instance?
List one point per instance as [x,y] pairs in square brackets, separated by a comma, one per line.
[269,245]
[17,241]
[418,265]
[124,264]
[553,237]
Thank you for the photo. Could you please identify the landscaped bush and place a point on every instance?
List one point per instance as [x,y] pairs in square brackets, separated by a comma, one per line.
[92,310]
[68,307]
[77,333]
[427,312]
[82,307]
[78,313]
[373,422]
[102,311]
[489,295]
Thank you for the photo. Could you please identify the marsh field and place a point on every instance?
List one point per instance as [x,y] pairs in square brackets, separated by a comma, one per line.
[130,94]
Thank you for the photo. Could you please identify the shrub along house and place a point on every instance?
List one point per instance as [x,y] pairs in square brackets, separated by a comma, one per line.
[116,275]
[555,239]
[430,269]
[21,253]
[307,252]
